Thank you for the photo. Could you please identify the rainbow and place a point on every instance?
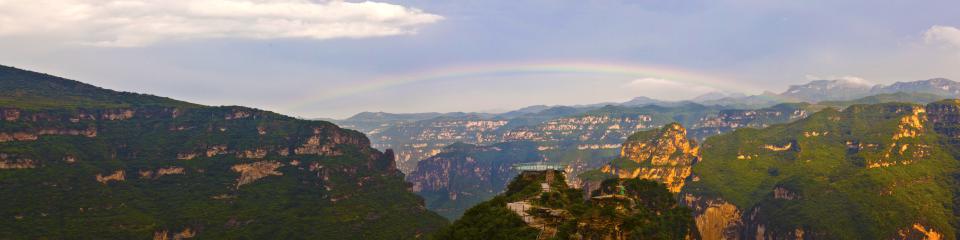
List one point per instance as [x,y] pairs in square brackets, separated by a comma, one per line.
[552,67]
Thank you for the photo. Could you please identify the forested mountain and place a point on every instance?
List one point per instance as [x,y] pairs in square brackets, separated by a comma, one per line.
[77,161]
[539,205]
[882,171]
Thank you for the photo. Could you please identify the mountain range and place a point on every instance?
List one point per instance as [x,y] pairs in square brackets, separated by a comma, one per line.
[869,171]
[417,136]
[584,138]
[832,159]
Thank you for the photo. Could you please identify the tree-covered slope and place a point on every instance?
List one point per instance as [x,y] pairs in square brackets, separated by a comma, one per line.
[30,90]
[77,161]
[868,172]
[539,205]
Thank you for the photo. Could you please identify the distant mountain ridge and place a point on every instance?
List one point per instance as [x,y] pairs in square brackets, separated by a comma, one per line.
[415,138]
[811,92]
[847,89]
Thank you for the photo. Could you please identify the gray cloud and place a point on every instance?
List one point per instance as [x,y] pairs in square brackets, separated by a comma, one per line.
[133,23]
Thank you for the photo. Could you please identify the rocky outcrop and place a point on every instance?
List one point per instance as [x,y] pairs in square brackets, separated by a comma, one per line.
[237,114]
[902,149]
[117,176]
[10,161]
[716,219]
[33,135]
[167,235]
[250,172]
[325,144]
[216,150]
[919,232]
[154,174]
[254,154]
[943,116]
[186,156]
[70,159]
[466,174]
[114,115]
[664,155]
[89,115]
[10,114]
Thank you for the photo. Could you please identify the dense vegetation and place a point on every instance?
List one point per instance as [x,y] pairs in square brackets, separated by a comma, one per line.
[109,165]
[642,210]
[36,91]
[866,172]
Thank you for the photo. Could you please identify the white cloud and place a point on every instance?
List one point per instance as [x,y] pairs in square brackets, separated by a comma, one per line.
[943,35]
[131,23]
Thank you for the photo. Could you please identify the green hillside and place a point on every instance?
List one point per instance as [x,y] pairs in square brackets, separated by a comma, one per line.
[866,172]
[619,209]
[36,91]
[77,161]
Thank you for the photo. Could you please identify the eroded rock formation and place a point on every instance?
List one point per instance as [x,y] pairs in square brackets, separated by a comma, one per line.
[250,172]
[664,155]
[716,219]
[116,176]
[9,161]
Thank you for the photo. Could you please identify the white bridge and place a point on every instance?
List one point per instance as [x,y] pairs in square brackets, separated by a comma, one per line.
[539,166]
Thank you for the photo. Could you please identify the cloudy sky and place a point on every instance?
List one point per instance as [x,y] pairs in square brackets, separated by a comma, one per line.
[314,58]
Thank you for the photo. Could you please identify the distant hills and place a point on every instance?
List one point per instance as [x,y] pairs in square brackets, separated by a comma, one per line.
[589,136]
[842,90]
[417,136]
[811,92]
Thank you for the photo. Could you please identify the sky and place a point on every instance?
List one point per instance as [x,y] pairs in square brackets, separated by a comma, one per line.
[313,58]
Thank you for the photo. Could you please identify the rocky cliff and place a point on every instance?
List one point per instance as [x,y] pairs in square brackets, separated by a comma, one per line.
[81,161]
[664,155]
[463,175]
[540,205]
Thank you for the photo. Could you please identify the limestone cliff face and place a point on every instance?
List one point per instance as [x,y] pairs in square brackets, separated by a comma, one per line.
[12,161]
[115,176]
[943,116]
[664,155]
[167,235]
[250,172]
[465,174]
[716,219]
